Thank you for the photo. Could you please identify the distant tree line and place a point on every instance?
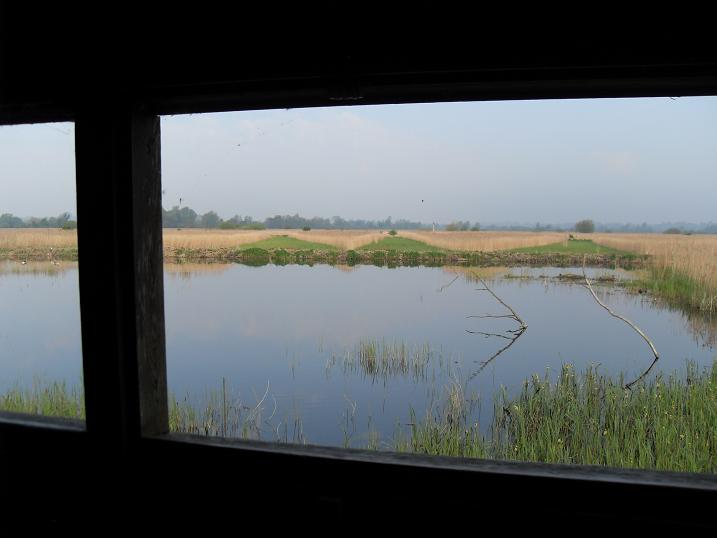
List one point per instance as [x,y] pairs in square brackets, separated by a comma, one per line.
[186,217]
[462,226]
[8,220]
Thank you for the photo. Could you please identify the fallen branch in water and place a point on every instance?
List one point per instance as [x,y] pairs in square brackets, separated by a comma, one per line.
[630,323]
[439,290]
[515,333]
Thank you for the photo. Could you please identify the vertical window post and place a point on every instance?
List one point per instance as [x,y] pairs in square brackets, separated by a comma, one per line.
[121,281]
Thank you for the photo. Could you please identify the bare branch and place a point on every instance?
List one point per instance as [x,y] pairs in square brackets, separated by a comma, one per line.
[515,333]
[490,334]
[447,285]
[630,323]
[496,354]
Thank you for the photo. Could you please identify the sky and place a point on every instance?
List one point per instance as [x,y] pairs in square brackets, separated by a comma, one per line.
[612,160]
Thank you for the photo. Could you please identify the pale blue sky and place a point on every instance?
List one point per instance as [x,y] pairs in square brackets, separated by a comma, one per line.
[616,160]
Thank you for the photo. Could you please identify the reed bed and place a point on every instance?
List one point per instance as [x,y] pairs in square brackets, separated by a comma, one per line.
[591,419]
[666,423]
[225,239]
[683,268]
[484,241]
[48,399]
[382,360]
[36,238]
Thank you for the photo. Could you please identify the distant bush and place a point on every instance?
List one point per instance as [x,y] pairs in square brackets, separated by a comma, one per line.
[458,226]
[306,228]
[672,231]
[476,228]
[392,232]
[69,225]
[585,226]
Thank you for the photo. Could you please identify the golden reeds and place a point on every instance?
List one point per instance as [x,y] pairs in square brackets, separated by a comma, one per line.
[14,238]
[694,256]
[484,241]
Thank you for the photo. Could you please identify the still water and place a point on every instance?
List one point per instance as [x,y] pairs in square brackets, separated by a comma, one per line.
[285,340]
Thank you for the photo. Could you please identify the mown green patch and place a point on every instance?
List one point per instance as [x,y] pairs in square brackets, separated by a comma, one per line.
[401,244]
[255,256]
[572,246]
[289,243]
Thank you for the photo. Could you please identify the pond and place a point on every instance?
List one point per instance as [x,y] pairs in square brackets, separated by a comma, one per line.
[349,356]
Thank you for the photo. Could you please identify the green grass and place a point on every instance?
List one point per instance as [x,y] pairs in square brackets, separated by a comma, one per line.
[287,243]
[591,419]
[575,246]
[678,288]
[666,423]
[401,244]
[48,399]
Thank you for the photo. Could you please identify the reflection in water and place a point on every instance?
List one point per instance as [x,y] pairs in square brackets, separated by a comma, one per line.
[189,269]
[286,342]
[302,328]
[44,268]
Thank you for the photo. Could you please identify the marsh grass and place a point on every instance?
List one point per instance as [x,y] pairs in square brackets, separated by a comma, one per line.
[683,269]
[383,360]
[52,399]
[224,413]
[666,423]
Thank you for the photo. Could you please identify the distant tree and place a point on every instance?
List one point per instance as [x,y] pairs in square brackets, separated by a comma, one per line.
[179,218]
[209,220]
[585,226]
[476,227]
[392,232]
[8,220]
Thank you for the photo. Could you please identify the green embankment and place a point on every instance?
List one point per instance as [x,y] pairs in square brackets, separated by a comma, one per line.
[573,246]
[400,244]
[286,242]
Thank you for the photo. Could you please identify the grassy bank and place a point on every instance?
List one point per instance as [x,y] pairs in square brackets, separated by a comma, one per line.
[400,244]
[573,246]
[589,419]
[683,269]
[286,242]
[667,423]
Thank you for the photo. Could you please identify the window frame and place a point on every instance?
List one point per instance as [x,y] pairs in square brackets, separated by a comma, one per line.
[122,306]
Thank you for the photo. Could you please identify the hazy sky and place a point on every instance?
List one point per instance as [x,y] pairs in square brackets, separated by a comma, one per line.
[617,160]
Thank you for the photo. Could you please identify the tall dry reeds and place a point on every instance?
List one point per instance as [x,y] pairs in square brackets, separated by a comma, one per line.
[484,241]
[45,238]
[217,239]
[684,267]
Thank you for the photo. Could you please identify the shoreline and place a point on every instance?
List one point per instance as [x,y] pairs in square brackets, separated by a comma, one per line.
[255,256]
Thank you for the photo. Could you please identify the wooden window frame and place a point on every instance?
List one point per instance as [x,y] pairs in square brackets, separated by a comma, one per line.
[125,438]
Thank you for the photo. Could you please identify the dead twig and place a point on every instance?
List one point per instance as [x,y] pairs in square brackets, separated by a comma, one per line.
[515,333]
[439,290]
[630,323]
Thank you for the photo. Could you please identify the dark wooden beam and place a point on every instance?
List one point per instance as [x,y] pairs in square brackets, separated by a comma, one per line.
[121,281]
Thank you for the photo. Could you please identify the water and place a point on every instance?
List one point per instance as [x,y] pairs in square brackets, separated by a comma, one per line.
[283,326]
[286,336]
